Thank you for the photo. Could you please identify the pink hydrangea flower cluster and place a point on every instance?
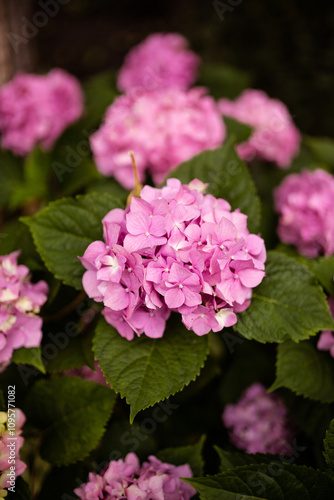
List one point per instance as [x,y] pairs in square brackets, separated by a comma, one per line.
[88,374]
[162,60]
[326,339]
[259,422]
[174,249]
[153,480]
[20,301]
[163,128]
[36,109]
[10,443]
[305,205]
[274,138]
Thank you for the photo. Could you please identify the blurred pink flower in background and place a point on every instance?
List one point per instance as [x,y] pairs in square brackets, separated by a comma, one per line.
[163,128]
[274,137]
[305,206]
[20,302]
[259,422]
[326,339]
[10,443]
[162,60]
[36,109]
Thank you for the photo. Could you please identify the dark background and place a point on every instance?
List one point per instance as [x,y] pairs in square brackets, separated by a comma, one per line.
[286,45]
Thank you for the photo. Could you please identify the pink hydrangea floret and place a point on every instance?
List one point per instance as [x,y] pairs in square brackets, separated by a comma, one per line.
[36,109]
[163,128]
[162,60]
[305,206]
[173,249]
[274,138]
[153,480]
[10,443]
[326,339]
[20,302]
[259,422]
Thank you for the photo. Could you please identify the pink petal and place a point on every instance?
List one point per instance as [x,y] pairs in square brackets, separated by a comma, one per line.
[174,298]
[116,297]
[251,277]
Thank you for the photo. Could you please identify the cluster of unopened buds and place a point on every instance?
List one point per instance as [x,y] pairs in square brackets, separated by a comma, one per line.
[174,249]
[127,479]
[20,302]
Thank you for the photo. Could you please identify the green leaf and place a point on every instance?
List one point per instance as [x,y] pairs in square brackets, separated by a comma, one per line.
[228,178]
[31,356]
[63,230]
[146,371]
[11,176]
[288,304]
[191,455]
[16,236]
[72,414]
[100,92]
[84,175]
[71,162]
[323,268]
[36,170]
[76,353]
[240,130]
[305,370]
[109,185]
[329,446]
[224,80]
[229,459]
[322,148]
[273,481]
